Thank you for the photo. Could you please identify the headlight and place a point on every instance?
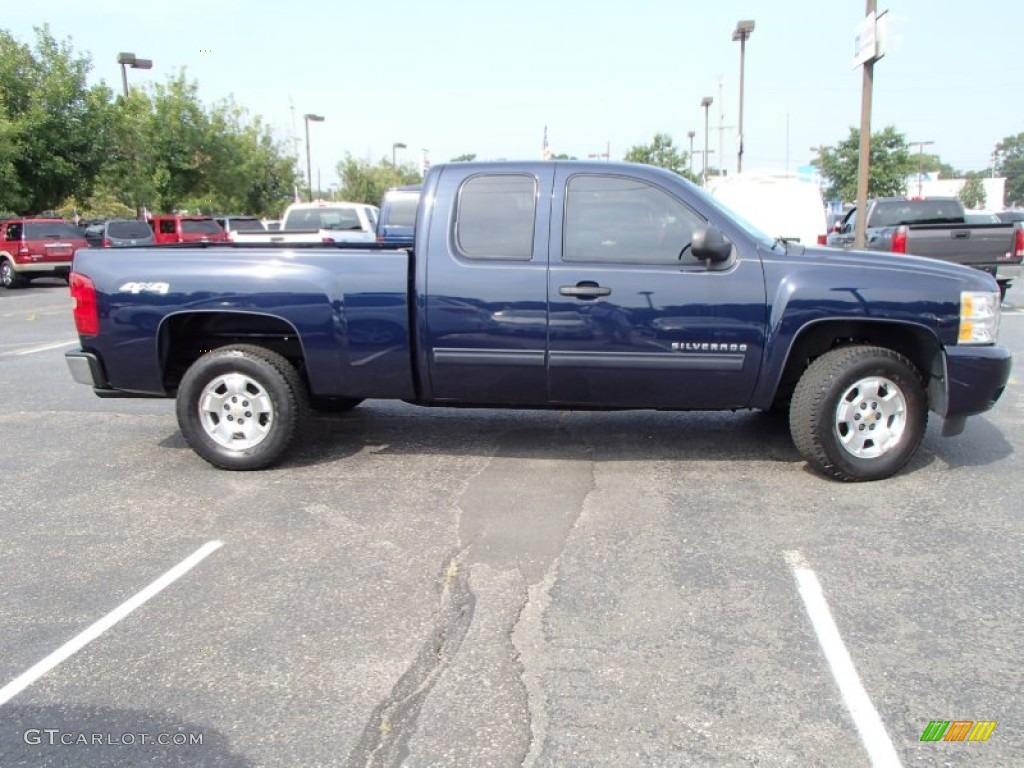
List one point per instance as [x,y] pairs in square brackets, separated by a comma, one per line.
[979,317]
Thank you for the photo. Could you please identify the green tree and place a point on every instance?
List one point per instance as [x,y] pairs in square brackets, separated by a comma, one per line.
[54,130]
[891,163]
[972,193]
[1010,163]
[467,158]
[362,182]
[662,153]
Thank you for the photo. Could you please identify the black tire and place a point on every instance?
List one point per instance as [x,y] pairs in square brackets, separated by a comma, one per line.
[334,404]
[1003,288]
[265,405]
[9,278]
[843,398]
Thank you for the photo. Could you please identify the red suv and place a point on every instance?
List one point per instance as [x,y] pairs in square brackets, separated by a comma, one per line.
[187,229]
[31,248]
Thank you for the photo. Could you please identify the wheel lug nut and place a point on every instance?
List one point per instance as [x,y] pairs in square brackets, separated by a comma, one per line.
[248,414]
[231,418]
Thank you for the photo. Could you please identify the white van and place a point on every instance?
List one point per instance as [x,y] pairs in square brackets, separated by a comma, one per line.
[779,205]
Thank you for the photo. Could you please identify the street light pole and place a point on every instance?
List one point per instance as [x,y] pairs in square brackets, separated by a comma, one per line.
[706,102]
[920,162]
[309,166]
[394,154]
[742,33]
[690,135]
[131,60]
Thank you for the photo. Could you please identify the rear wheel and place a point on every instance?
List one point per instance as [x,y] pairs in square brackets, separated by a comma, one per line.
[240,407]
[9,278]
[859,413]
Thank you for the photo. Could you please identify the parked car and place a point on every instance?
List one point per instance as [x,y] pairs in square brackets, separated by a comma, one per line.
[37,247]
[119,233]
[187,229]
[780,206]
[233,224]
[936,227]
[1011,215]
[522,292]
[398,215]
[981,217]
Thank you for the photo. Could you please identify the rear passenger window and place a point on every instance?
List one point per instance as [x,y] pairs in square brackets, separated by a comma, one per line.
[495,217]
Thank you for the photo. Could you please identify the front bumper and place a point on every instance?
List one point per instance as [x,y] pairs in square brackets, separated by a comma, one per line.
[973,381]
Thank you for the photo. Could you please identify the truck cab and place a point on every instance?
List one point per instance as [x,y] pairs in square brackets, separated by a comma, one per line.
[175,228]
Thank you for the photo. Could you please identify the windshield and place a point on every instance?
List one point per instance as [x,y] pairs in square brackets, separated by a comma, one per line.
[323,218]
[402,210]
[892,213]
[129,229]
[51,230]
[200,227]
[245,225]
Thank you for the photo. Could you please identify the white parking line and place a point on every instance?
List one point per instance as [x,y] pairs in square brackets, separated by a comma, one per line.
[39,348]
[873,735]
[79,641]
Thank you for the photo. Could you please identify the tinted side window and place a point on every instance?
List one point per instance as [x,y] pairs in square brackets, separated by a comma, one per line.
[495,217]
[167,227]
[13,232]
[614,219]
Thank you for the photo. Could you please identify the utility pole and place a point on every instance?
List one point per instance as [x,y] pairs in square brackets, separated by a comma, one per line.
[864,162]
[721,127]
[920,162]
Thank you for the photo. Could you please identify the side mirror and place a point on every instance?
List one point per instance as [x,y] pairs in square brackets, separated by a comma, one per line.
[710,244]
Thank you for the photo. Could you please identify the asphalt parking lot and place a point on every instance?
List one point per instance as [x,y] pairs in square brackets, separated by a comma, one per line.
[439,587]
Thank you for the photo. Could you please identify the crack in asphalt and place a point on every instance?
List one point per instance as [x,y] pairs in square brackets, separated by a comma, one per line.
[385,739]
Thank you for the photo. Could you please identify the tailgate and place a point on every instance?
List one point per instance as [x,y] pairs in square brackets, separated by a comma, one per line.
[974,245]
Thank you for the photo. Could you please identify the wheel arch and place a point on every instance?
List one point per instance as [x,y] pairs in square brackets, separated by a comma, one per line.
[915,342]
[183,337]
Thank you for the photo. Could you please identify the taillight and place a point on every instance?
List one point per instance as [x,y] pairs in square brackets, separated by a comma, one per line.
[1018,243]
[107,243]
[822,239]
[899,240]
[85,311]
[326,239]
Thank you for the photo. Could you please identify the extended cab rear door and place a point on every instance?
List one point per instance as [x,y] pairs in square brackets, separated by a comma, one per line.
[482,284]
[634,319]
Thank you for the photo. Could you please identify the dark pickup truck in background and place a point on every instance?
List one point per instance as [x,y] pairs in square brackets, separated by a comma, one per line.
[547,285]
[936,227]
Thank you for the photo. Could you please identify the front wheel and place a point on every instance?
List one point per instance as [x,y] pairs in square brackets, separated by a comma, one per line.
[859,413]
[239,407]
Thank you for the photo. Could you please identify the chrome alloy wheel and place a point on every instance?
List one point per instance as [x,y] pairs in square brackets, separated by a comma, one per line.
[871,417]
[236,411]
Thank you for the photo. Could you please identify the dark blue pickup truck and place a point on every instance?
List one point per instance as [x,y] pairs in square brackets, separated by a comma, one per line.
[547,285]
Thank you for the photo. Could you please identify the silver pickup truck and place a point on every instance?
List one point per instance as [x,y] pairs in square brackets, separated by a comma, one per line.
[937,227]
[321,221]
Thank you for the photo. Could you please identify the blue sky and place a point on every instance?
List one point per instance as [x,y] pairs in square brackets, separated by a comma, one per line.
[487,76]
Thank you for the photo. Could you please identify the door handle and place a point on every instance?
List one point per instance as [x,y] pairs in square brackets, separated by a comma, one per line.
[585,290]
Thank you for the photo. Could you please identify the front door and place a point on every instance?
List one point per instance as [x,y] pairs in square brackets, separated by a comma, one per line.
[634,319]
